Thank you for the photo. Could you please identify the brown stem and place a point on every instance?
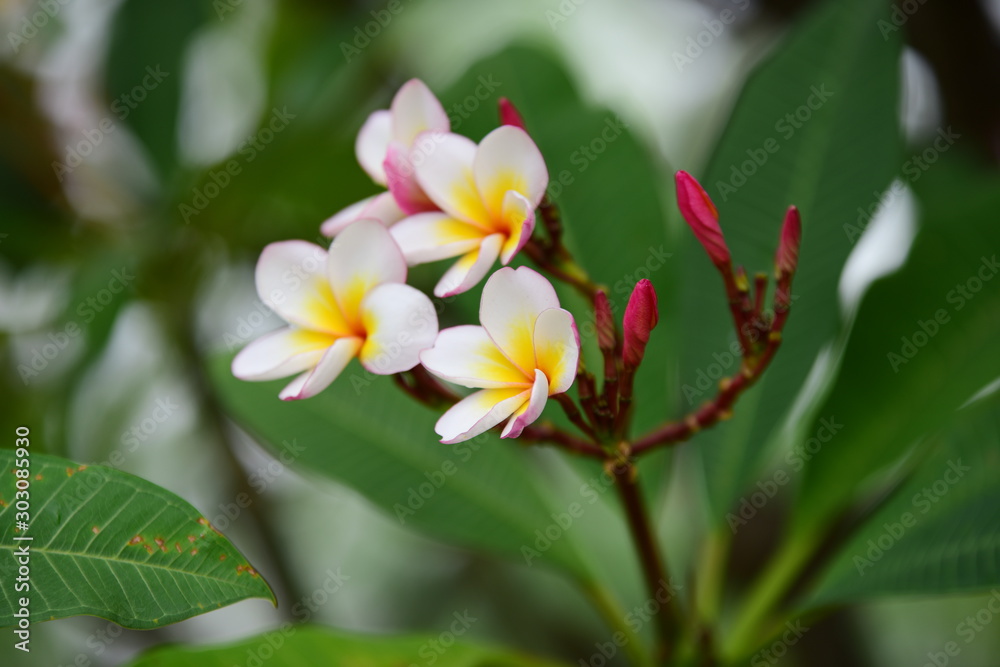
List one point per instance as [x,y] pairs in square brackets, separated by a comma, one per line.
[547,432]
[653,568]
[569,407]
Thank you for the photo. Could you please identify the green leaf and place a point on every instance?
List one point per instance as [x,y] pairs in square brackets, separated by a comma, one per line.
[940,533]
[924,342]
[368,434]
[294,646]
[108,544]
[815,126]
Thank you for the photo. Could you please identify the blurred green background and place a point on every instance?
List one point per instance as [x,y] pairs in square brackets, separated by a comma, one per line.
[148,151]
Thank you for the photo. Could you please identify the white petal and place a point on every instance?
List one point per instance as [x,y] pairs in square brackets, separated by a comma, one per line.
[519,218]
[445,174]
[329,367]
[372,144]
[292,279]
[512,301]
[361,257]
[531,410]
[557,348]
[428,237]
[401,323]
[415,110]
[402,181]
[381,207]
[479,413]
[467,356]
[508,159]
[470,269]
[281,353]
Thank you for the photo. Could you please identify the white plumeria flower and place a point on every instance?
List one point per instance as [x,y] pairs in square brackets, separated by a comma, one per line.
[386,148]
[487,195]
[345,303]
[526,350]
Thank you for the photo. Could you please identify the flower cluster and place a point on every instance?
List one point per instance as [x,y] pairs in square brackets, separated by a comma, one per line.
[446,197]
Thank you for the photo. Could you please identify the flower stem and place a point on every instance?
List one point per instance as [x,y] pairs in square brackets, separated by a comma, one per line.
[549,433]
[653,567]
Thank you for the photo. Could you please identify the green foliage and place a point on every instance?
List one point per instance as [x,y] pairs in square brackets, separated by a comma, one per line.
[815,126]
[294,646]
[108,544]
[940,533]
[923,344]
[363,431]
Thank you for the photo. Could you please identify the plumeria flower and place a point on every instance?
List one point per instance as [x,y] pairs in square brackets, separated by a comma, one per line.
[386,148]
[345,303]
[487,195]
[526,350]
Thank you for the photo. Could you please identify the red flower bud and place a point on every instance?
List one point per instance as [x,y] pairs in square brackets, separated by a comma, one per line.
[605,322]
[787,257]
[700,213]
[641,315]
[509,115]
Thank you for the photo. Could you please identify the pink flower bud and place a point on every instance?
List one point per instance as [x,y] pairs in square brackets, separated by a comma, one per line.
[787,257]
[605,322]
[509,115]
[700,213]
[641,315]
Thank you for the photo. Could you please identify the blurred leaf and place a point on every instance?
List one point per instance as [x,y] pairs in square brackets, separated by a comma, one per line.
[145,68]
[941,533]
[815,126]
[366,433]
[308,645]
[85,557]
[924,342]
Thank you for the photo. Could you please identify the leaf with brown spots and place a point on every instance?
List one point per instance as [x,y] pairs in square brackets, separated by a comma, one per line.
[101,547]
